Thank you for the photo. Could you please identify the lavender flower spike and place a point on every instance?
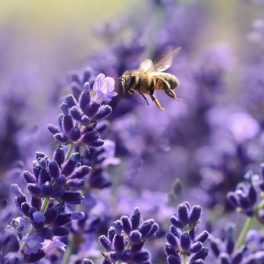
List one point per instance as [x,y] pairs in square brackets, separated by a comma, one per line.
[182,241]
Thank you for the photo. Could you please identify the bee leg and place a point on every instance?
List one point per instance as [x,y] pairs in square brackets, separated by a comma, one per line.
[167,89]
[156,100]
[144,97]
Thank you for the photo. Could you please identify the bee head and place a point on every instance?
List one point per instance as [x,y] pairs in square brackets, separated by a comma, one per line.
[128,81]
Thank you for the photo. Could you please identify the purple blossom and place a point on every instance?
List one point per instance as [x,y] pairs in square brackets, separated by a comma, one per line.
[103,89]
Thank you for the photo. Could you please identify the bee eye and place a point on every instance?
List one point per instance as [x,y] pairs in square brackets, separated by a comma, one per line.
[131,81]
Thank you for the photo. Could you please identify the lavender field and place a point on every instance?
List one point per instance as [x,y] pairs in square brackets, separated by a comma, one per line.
[91,173]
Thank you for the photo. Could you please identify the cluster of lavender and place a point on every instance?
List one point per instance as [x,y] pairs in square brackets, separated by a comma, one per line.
[126,239]
[247,198]
[55,186]
[184,245]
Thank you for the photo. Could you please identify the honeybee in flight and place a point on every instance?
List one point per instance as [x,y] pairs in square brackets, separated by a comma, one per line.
[151,76]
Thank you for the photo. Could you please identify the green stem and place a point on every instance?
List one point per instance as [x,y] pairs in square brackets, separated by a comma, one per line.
[44,205]
[184,259]
[69,152]
[242,236]
[67,254]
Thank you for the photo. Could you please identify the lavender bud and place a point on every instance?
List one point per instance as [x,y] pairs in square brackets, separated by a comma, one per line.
[224,258]
[75,183]
[126,224]
[111,233]
[53,129]
[145,227]
[90,137]
[135,219]
[195,214]
[119,243]
[202,254]
[46,189]
[172,240]
[169,249]
[50,215]
[72,197]
[84,100]
[81,172]
[78,215]
[195,247]
[64,108]
[75,134]
[34,189]
[76,113]
[60,181]
[25,207]
[59,155]
[62,219]
[60,231]
[118,227]
[230,246]
[85,120]
[140,256]
[252,194]
[92,109]
[97,143]
[38,217]
[70,100]
[60,137]
[185,241]
[135,237]
[29,177]
[202,237]
[183,213]
[68,167]
[176,222]
[105,242]
[237,258]
[54,169]
[215,247]
[154,229]
[67,124]
[103,112]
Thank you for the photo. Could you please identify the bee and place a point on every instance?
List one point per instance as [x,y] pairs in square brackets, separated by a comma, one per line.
[150,77]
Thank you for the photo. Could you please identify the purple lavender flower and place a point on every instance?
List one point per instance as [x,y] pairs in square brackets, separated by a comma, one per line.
[103,89]
[224,249]
[182,241]
[246,199]
[53,185]
[80,114]
[126,239]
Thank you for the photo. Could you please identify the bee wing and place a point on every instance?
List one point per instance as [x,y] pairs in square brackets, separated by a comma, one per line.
[165,62]
[146,65]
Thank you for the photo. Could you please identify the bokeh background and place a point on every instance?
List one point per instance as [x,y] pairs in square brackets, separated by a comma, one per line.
[198,150]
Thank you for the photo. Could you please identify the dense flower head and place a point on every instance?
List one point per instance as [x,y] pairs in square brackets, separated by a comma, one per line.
[79,117]
[126,239]
[53,186]
[224,249]
[182,240]
[247,198]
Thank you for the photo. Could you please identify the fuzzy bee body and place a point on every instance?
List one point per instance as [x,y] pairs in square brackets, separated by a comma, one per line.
[150,77]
